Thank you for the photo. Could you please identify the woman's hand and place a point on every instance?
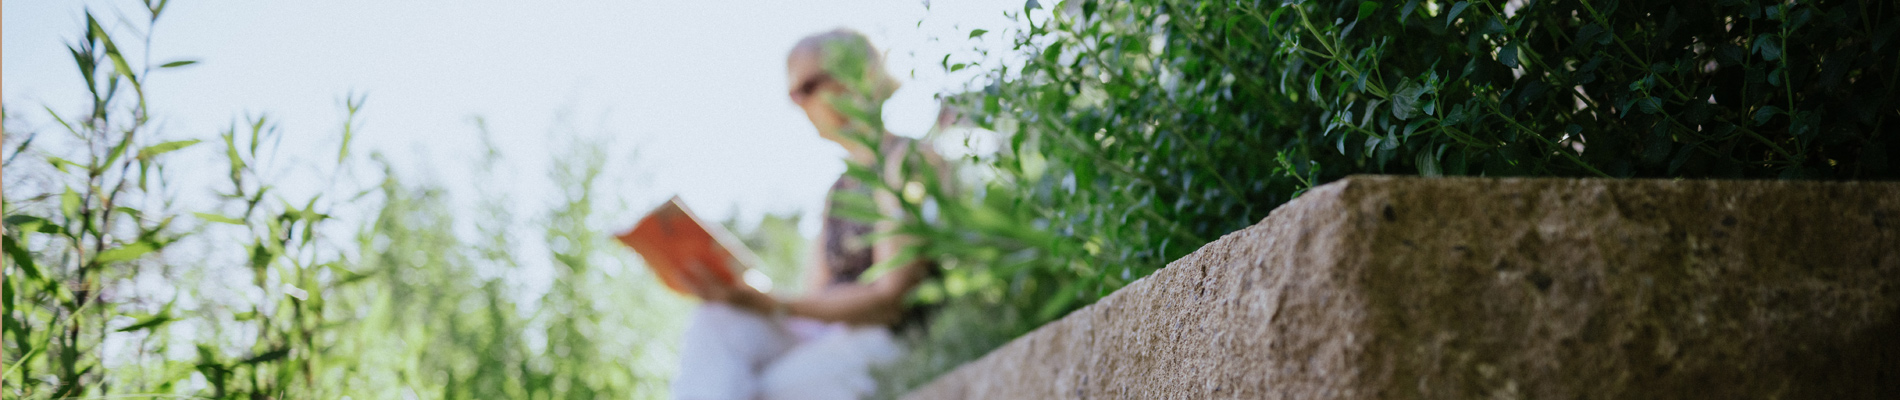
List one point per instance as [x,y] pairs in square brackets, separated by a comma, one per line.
[708,287]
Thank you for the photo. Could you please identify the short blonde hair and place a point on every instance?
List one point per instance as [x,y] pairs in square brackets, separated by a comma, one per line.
[844,51]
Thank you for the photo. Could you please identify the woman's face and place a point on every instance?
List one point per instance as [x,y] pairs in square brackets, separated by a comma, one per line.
[812,89]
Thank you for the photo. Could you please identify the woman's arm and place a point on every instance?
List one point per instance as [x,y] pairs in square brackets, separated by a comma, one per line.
[875,303]
[880,302]
[816,276]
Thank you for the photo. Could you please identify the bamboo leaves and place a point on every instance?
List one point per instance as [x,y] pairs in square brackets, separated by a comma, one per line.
[149,322]
[86,266]
[149,152]
[209,217]
[127,252]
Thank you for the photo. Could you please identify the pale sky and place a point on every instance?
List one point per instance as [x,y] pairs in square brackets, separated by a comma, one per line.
[688,97]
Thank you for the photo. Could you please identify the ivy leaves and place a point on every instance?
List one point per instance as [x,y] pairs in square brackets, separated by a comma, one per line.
[1768,46]
[1405,101]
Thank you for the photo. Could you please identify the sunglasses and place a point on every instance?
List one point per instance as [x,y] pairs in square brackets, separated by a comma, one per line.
[810,86]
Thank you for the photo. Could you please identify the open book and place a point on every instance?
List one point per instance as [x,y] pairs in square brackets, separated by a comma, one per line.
[674,241]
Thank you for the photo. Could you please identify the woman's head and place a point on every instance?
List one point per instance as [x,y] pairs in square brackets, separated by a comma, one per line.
[827,64]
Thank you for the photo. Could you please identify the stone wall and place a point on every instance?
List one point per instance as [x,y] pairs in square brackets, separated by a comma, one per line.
[1383,287]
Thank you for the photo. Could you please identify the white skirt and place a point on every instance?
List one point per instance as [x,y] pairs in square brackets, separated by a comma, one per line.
[732,354]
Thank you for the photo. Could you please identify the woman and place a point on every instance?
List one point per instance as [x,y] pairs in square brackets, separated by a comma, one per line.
[744,344]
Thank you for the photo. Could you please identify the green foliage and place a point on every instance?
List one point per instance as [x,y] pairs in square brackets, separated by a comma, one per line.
[1139,131]
[1134,133]
[70,250]
[776,240]
[109,293]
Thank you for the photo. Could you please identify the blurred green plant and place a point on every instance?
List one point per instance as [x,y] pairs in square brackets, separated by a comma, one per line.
[75,246]
[1138,131]
[775,238]
[107,297]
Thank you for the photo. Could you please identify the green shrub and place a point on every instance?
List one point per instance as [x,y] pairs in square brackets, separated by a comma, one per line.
[1139,131]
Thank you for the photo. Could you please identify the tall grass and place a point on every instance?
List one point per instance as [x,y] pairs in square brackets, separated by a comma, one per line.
[117,288]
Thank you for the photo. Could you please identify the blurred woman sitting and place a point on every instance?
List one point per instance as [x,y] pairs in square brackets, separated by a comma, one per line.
[744,344]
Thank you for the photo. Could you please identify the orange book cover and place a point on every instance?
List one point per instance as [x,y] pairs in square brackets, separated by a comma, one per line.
[672,239]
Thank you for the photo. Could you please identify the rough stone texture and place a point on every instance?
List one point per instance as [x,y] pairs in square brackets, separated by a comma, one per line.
[1383,287]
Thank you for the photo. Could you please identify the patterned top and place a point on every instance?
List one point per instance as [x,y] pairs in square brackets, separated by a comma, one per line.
[847,253]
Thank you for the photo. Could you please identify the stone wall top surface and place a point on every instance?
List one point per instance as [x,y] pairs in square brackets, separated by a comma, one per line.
[1389,287]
